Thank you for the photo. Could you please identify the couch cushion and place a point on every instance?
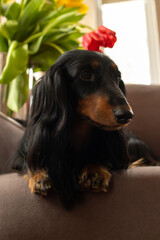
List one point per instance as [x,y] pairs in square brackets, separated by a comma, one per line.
[129,211]
[10,134]
[145,101]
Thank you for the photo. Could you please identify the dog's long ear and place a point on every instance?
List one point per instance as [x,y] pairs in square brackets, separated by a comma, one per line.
[122,87]
[49,115]
[51,99]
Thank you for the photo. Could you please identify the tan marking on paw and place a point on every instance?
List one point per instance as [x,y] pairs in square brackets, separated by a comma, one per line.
[38,182]
[95,178]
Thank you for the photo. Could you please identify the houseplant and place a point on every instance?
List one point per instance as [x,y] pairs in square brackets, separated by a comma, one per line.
[34,34]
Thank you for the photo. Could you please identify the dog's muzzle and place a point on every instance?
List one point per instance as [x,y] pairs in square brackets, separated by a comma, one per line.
[123,115]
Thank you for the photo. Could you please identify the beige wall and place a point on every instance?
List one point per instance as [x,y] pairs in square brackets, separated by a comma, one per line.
[113,1]
[93,17]
[158,15]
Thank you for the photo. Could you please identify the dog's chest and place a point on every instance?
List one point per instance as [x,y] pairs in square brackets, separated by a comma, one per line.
[81,135]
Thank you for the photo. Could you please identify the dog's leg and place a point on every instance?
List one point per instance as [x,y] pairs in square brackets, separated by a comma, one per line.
[95,178]
[138,163]
[142,162]
[38,182]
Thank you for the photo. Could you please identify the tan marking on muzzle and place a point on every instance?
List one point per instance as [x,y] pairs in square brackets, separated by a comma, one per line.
[99,111]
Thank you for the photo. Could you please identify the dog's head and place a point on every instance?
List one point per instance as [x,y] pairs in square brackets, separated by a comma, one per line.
[90,83]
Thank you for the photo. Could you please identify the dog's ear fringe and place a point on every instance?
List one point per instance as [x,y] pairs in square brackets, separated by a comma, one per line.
[18,160]
[50,115]
[50,99]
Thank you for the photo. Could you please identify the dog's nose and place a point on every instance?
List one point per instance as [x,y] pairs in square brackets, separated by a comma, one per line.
[123,115]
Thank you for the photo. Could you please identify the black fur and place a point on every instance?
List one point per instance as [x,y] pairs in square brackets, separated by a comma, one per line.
[49,142]
[139,151]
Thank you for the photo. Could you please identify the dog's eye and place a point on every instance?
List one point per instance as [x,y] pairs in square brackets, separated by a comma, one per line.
[86,75]
[118,78]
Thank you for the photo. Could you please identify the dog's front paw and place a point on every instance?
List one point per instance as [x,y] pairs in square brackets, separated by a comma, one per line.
[95,178]
[39,182]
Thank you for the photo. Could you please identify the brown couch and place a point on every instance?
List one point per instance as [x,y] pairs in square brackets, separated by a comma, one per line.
[129,211]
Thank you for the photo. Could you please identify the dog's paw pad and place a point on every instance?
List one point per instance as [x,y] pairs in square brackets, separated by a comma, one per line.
[95,178]
[42,186]
[39,183]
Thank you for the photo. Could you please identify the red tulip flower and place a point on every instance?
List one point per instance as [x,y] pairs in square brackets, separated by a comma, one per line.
[101,37]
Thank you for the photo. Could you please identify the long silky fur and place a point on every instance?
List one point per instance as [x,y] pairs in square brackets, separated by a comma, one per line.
[47,141]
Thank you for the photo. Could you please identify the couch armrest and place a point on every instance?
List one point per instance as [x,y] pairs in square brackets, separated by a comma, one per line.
[130,210]
[10,134]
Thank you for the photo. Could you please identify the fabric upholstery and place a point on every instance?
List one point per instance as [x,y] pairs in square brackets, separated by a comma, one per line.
[10,134]
[129,211]
[145,101]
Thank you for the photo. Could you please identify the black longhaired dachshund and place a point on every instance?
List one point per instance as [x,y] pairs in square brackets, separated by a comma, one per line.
[74,139]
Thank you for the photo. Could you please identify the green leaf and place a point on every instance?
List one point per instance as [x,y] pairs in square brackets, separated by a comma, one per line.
[51,35]
[29,18]
[18,92]
[35,45]
[3,44]
[44,58]
[30,12]
[64,36]
[16,62]
[55,33]
[59,20]
[85,26]
[73,35]
[56,36]
[69,9]
[4,8]
[13,11]
[51,15]
[9,28]
[72,19]
[55,46]
[69,45]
